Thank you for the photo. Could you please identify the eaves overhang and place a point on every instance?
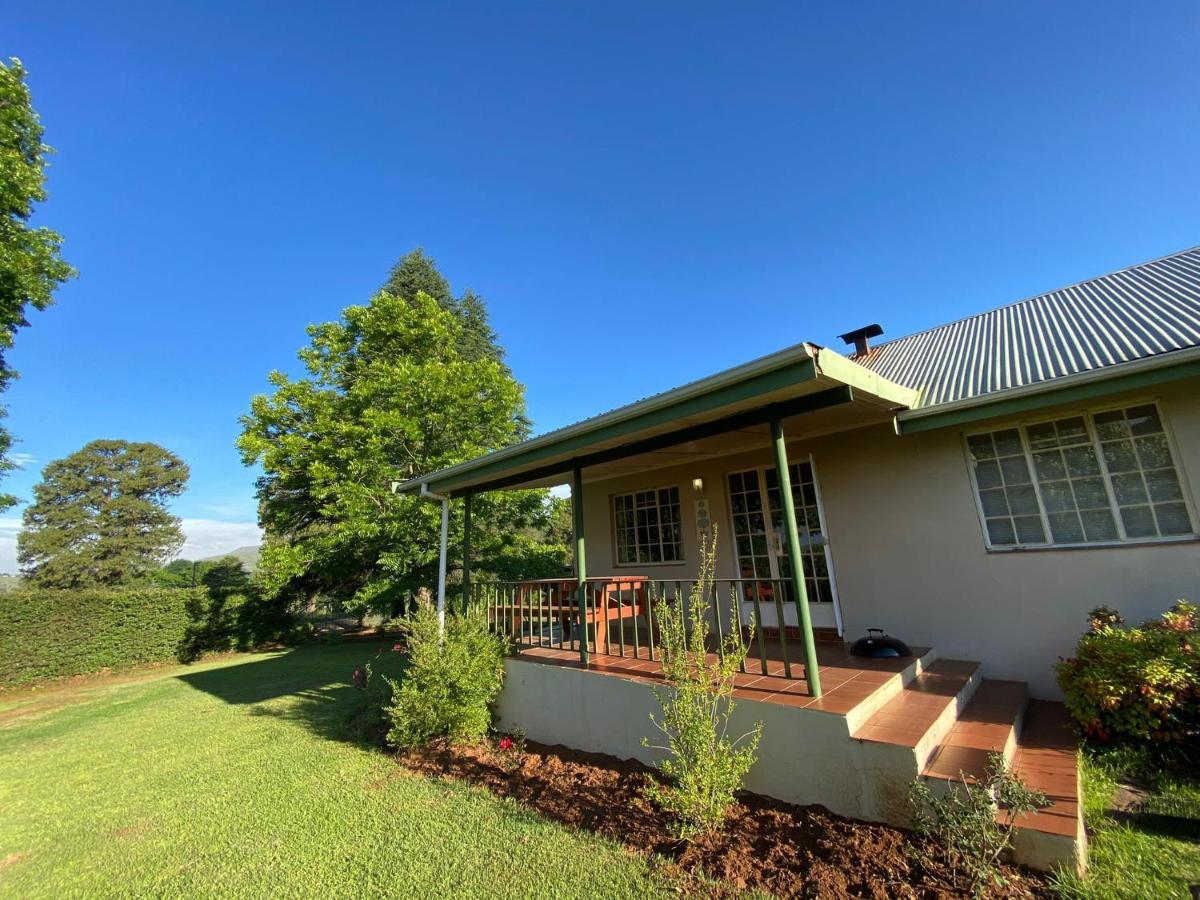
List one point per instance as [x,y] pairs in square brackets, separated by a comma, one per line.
[782,380]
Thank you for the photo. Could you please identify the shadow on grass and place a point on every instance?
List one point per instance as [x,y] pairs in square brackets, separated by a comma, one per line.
[310,685]
[1163,812]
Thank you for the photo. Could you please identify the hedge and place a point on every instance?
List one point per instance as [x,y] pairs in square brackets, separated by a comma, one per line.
[47,634]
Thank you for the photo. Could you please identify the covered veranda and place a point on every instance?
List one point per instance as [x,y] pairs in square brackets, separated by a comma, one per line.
[607,622]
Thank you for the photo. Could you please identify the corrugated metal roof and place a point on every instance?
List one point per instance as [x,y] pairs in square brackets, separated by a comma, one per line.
[1142,311]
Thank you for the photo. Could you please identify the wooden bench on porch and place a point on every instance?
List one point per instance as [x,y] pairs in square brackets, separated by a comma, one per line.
[609,600]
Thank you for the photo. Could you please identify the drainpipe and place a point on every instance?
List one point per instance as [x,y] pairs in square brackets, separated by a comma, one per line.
[581,568]
[441,594]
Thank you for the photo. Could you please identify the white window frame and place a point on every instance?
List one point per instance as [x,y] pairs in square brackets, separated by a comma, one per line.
[1087,413]
[612,512]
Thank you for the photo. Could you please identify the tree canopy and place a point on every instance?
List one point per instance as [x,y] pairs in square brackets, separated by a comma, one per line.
[99,516]
[31,263]
[417,273]
[392,388]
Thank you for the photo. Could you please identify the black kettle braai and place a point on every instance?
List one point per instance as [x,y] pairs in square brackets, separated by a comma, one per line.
[878,645]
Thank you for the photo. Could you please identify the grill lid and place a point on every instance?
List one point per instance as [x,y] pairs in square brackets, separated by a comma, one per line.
[878,645]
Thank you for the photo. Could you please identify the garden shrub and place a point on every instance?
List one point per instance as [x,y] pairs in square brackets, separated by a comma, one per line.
[970,837]
[50,633]
[451,680]
[704,766]
[1139,684]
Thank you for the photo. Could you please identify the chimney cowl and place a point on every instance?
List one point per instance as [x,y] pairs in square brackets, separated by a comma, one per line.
[860,336]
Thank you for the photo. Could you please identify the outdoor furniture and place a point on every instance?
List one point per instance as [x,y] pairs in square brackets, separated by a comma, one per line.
[556,599]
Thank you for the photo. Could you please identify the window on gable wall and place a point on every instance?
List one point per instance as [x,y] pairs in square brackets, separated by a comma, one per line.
[1103,477]
[648,526]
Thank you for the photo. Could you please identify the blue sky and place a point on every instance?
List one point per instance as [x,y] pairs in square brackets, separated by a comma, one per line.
[644,192]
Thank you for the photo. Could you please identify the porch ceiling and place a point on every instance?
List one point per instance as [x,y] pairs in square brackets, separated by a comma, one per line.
[814,390]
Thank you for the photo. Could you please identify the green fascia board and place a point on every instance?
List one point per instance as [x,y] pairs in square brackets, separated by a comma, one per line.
[734,422]
[777,379]
[1032,402]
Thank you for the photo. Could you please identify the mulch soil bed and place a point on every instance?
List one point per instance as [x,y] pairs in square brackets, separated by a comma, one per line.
[785,850]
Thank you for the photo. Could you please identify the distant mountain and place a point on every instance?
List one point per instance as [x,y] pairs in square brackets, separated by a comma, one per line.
[248,556]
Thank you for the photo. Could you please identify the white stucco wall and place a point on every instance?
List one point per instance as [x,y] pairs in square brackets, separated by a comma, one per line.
[908,548]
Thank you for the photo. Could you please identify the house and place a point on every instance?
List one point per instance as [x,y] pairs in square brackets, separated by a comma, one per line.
[973,489]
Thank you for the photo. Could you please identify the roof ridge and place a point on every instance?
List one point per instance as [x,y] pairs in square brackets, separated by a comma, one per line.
[1031,298]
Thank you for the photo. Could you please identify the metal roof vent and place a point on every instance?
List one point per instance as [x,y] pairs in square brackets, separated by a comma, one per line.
[859,338]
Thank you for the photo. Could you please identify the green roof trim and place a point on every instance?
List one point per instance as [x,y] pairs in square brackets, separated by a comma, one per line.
[757,416]
[1101,384]
[773,379]
[787,376]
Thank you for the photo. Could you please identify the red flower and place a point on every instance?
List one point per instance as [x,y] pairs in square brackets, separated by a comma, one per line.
[398,648]
[506,743]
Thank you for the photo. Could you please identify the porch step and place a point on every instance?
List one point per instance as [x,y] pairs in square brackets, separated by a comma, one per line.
[990,723]
[1047,759]
[923,713]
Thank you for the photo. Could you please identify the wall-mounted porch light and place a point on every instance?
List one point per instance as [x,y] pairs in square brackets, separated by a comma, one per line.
[698,485]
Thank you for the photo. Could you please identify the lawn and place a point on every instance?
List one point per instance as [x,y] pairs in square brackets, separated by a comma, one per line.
[235,778]
[1152,853]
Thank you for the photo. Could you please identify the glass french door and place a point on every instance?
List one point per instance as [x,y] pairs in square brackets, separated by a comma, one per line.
[762,546]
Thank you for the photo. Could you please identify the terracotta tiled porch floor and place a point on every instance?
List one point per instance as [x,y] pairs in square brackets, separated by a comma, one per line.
[846,680]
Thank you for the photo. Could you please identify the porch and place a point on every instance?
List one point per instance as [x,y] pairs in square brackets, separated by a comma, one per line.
[775,534]
[620,635]
[842,731]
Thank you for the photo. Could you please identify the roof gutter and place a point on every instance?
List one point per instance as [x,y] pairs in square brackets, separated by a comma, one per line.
[1151,370]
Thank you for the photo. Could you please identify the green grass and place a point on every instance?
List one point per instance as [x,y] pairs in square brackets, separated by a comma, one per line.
[234,778]
[1153,854]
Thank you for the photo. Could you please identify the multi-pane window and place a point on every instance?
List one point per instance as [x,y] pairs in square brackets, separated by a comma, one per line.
[1082,479]
[647,526]
[1145,481]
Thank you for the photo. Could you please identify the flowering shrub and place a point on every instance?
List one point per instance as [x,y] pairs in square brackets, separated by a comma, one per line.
[1104,617]
[510,750]
[1141,683]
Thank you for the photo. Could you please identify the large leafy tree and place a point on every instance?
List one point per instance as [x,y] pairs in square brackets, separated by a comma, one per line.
[31,263]
[99,516]
[393,388]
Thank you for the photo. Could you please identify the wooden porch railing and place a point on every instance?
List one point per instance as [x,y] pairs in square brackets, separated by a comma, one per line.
[619,621]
